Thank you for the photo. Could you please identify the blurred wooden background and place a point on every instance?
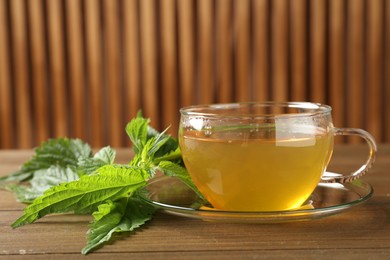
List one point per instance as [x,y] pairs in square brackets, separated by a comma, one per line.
[83,68]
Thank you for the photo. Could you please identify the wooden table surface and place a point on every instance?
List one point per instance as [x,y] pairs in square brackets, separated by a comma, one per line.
[362,232]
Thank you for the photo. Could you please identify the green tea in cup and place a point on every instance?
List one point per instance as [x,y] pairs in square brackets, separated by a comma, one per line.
[260,156]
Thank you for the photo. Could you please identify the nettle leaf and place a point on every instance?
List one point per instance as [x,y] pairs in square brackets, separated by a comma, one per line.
[153,145]
[16,176]
[106,189]
[151,132]
[123,215]
[144,159]
[55,175]
[170,145]
[23,193]
[137,130]
[104,156]
[62,152]
[84,195]
[174,170]
[173,155]
[42,181]
[140,132]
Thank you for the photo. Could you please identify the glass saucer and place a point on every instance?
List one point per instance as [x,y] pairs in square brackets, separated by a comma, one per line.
[174,197]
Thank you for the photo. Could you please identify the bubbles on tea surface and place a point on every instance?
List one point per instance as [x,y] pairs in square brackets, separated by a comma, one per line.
[207,130]
[254,130]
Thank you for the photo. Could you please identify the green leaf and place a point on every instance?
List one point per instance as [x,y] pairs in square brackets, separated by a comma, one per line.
[62,152]
[137,130]
[55,175]
[104,188]
[23,193]
[174,170]
[169,146]
[16,176]
[42,181]
[84,195]
[144,159]
[123,215]
[153,145]
[140,132]
[104,156]
[173,155]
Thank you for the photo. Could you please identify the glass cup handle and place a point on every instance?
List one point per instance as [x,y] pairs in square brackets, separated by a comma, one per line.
[364,168]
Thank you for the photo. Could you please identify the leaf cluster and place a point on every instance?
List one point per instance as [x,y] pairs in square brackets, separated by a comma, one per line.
[65,176]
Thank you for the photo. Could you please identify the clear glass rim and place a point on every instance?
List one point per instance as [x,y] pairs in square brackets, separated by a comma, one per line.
[308,109]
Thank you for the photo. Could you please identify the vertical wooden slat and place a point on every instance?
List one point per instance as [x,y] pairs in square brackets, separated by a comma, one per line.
[57,67]
[374,67]
[261,50]
[355,80]
[356,61]
[112,66]
[94,68]
[298,50]
[6,112]
[131,58]
[186,51]
[21,74]
[169,67]
[386,107]
[76,68]
[242,50]
[336,62]
[149,61]
[279,50]
[224,51]
[39,70]
[317,50]
[205,59]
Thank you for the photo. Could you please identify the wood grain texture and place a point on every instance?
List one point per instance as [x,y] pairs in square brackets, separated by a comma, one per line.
[58,92]
[7,134]
[261,54]
[186,52]
[279,50]
[336,61]
[150,95]
[132,69]
[94,60]
[113,87]
[298,50]
[169,86]
[355,72]
[362,232]
[318,52]
[387,72]
[242,50]
[76,68]
[20,68]
[205,83]
[224,52]
[374,67]
[39,82]
[85,68]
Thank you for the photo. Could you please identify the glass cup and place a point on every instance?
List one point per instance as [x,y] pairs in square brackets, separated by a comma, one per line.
[261,156]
